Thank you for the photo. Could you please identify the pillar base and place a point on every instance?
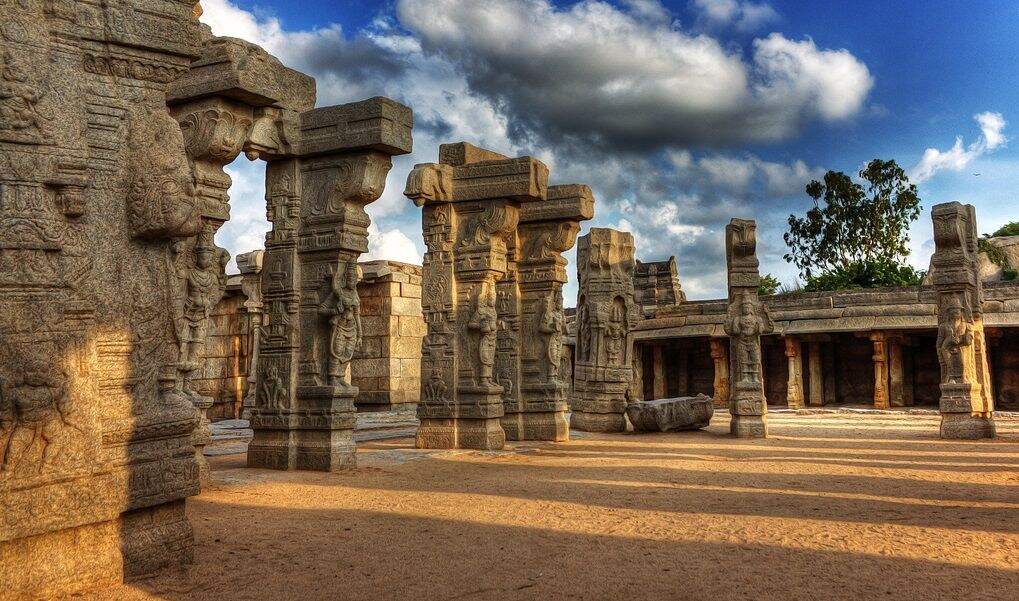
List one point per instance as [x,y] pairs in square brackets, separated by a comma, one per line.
[597,422]
[964,426]
[544,425]
[749,426]
[483,434]
[319,436]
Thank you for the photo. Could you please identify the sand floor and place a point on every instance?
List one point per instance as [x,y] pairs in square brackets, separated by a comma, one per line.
[829,507]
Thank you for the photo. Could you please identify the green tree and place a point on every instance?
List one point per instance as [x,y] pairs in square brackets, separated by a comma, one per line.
[769,285]
[852,226]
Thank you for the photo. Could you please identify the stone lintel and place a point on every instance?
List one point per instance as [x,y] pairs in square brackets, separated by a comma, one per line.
[522,179]
[241,70]
[564,202]
[378,124]
[250,262]
[462,153]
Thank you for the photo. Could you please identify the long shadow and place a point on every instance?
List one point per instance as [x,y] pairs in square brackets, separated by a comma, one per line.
[268,553]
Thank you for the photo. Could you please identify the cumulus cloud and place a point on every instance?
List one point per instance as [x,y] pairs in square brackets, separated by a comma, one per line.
[391,245]
[958,157]
[743,16]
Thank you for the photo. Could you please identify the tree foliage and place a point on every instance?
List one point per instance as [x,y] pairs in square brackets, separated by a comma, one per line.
[873,273]
[1009,229]
[851,228]
[769,285]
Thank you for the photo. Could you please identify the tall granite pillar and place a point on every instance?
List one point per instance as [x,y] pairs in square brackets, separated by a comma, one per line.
[746,321]
[606,311]
[815,369]
[470,364]
[966,403]
[317,187]
[547,229]
[794,386]
[880,357]
[720,358]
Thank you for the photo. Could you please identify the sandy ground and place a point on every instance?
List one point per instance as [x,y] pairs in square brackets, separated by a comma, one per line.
[829,507]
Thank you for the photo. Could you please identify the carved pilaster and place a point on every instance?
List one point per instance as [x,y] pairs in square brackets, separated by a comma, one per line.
[966,403]
[720,357]
[606,311]
[747,319]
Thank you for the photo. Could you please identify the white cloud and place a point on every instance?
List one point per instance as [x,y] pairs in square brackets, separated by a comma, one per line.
[958,157]
[391,245]
[744,16]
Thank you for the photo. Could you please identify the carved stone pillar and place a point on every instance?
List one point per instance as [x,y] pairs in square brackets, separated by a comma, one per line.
[794,387]
[317,187]
[966,403]
[606,311]
[720,357]
[746,321]
[659,385]
[896,375]
[470,364]
[547,229]
[880,358]
[814,366]
[250,266]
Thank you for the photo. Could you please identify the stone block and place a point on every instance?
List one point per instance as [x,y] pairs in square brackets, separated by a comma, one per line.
[666,415]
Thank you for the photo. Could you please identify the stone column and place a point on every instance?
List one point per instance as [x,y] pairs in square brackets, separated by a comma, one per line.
[547,229]
[896,375]
[720,356]
[659,384]
[606,311]
[814,362]
[794,388]
[966,404]
[471,201]
[880,358]
[317,187]
[250,266]
[747,319]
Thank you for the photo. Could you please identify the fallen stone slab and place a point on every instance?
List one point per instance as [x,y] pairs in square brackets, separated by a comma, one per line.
[668,415]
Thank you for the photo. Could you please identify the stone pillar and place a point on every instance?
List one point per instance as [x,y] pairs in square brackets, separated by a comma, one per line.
[747,319]
[659,384]
[470,364]
[250,266]
[794,388]
[547,229]
[606,312]
[317,188]
[896,374]
[637,384]
[880,358]
[817,384]
[966,404]
[720,356]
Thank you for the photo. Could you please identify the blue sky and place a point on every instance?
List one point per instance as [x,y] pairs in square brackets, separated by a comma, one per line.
[679,114]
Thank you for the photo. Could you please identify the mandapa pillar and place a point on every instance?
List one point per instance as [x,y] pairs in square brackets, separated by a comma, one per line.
[720,357]
[880,357]
[794,387]
[815,369]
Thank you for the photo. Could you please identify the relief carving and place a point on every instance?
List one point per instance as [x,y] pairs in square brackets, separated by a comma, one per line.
[484,321]
[342,308]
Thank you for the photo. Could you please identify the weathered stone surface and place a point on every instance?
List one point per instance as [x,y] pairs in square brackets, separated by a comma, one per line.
[668,415]
[745,322]
[656,284]
[606,311]
[966,403]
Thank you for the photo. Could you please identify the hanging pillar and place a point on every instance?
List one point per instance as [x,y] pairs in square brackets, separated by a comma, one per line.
[966,403]
[816,374]
[794,389]
[720,357]
[880,370]
[659,384]
[896,374]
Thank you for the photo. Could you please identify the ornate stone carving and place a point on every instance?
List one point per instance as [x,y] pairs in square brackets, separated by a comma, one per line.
[966,402]
[746,321]
[343,310]
[606,311]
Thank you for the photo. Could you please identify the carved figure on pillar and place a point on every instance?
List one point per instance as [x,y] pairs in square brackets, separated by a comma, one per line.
[966,404]
[343,310]
[746,321]
[484,322]
[203,286]
[606,311]
[552,326]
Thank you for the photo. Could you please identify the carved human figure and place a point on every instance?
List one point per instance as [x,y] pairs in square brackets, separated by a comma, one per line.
[343,308]
[272,388]
[485,322]
[552,325]
[583,333]
[746,322]
[615,333]
[19,99]
[955,336]
[205,284]
[41,408]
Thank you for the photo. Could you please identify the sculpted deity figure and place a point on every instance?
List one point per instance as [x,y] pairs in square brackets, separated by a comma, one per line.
[552,326]
[955,336]
[343,308]
[19,99]
[746,322]
[272,388]
[583,333]
[40,408]
[485,322]
[204,285]
[615,333]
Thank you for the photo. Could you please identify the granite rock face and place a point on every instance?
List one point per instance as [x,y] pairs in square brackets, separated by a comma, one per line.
[669,415]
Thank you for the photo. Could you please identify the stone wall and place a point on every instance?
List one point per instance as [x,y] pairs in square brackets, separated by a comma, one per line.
[224,375]
[387,368]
